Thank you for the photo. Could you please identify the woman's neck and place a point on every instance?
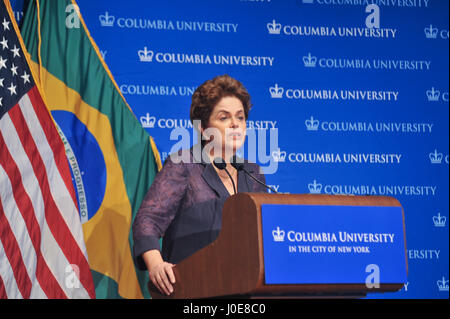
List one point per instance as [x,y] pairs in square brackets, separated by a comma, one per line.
[229,167]
[229,154]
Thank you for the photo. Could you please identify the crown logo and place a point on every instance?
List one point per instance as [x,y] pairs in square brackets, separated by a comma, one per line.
[274,28]
[276,92]
[439,221]
[312,124]
[430,32]
[435,158]
[106,20]
[279,156]
[310,61]
[145,55]
[148,121]
[442,284]
[315,188]
[278,235]
[433,95]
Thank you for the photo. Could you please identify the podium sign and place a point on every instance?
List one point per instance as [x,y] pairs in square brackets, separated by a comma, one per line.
[319,244]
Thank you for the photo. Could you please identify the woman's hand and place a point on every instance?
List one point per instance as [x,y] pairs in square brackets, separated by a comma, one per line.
[162,277]
[160,272]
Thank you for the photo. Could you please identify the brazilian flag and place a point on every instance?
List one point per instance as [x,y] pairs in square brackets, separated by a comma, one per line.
[113,160]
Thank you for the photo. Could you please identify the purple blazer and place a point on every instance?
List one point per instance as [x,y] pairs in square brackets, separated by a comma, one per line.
[184,207]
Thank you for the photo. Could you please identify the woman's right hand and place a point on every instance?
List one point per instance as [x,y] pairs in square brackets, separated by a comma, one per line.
[162,277]
[160,272]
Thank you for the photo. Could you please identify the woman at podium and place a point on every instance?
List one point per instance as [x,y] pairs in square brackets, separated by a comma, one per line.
[184,204]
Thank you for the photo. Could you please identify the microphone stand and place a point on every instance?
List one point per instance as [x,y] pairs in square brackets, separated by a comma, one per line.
[240,166]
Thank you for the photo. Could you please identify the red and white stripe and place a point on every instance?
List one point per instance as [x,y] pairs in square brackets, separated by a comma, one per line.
[40,229]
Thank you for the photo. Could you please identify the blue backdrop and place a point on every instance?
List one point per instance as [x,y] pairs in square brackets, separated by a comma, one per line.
[360,108]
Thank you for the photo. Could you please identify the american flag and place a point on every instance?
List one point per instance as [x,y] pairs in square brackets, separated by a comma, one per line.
[42,251]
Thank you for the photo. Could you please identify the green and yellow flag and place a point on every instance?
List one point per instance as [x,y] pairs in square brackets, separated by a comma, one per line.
[112,158]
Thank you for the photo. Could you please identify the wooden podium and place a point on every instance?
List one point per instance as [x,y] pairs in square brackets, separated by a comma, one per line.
[233,265]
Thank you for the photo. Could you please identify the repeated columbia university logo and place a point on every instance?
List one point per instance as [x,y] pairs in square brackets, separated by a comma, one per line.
[434,95]
[146,55]
[276,28]
[108,20]
[424,254]
[439,221]
[279,92]
[442,284]
[381,3]
[311,61]
[314,125]
[280,156]
[438,158]
[158,90]
[432,32]
[383,190]
[148,121]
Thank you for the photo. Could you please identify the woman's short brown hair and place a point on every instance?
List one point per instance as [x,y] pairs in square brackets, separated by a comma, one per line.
[207,95]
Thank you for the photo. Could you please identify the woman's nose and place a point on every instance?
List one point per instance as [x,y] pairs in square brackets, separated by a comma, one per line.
[234,122]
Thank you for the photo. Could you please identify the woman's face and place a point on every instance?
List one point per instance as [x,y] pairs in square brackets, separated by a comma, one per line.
[228,119]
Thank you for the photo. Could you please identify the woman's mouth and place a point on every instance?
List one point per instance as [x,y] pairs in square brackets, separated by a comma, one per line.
[235,135]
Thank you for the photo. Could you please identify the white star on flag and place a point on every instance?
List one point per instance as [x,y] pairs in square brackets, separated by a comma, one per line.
[5,24]
[25,77]
[4,43]
[1,101]
[15,51]
[12,89]
[14,69]
[1,82]
[2,63]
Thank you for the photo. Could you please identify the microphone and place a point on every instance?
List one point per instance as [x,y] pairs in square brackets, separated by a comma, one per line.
[220,164]
[240,167]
